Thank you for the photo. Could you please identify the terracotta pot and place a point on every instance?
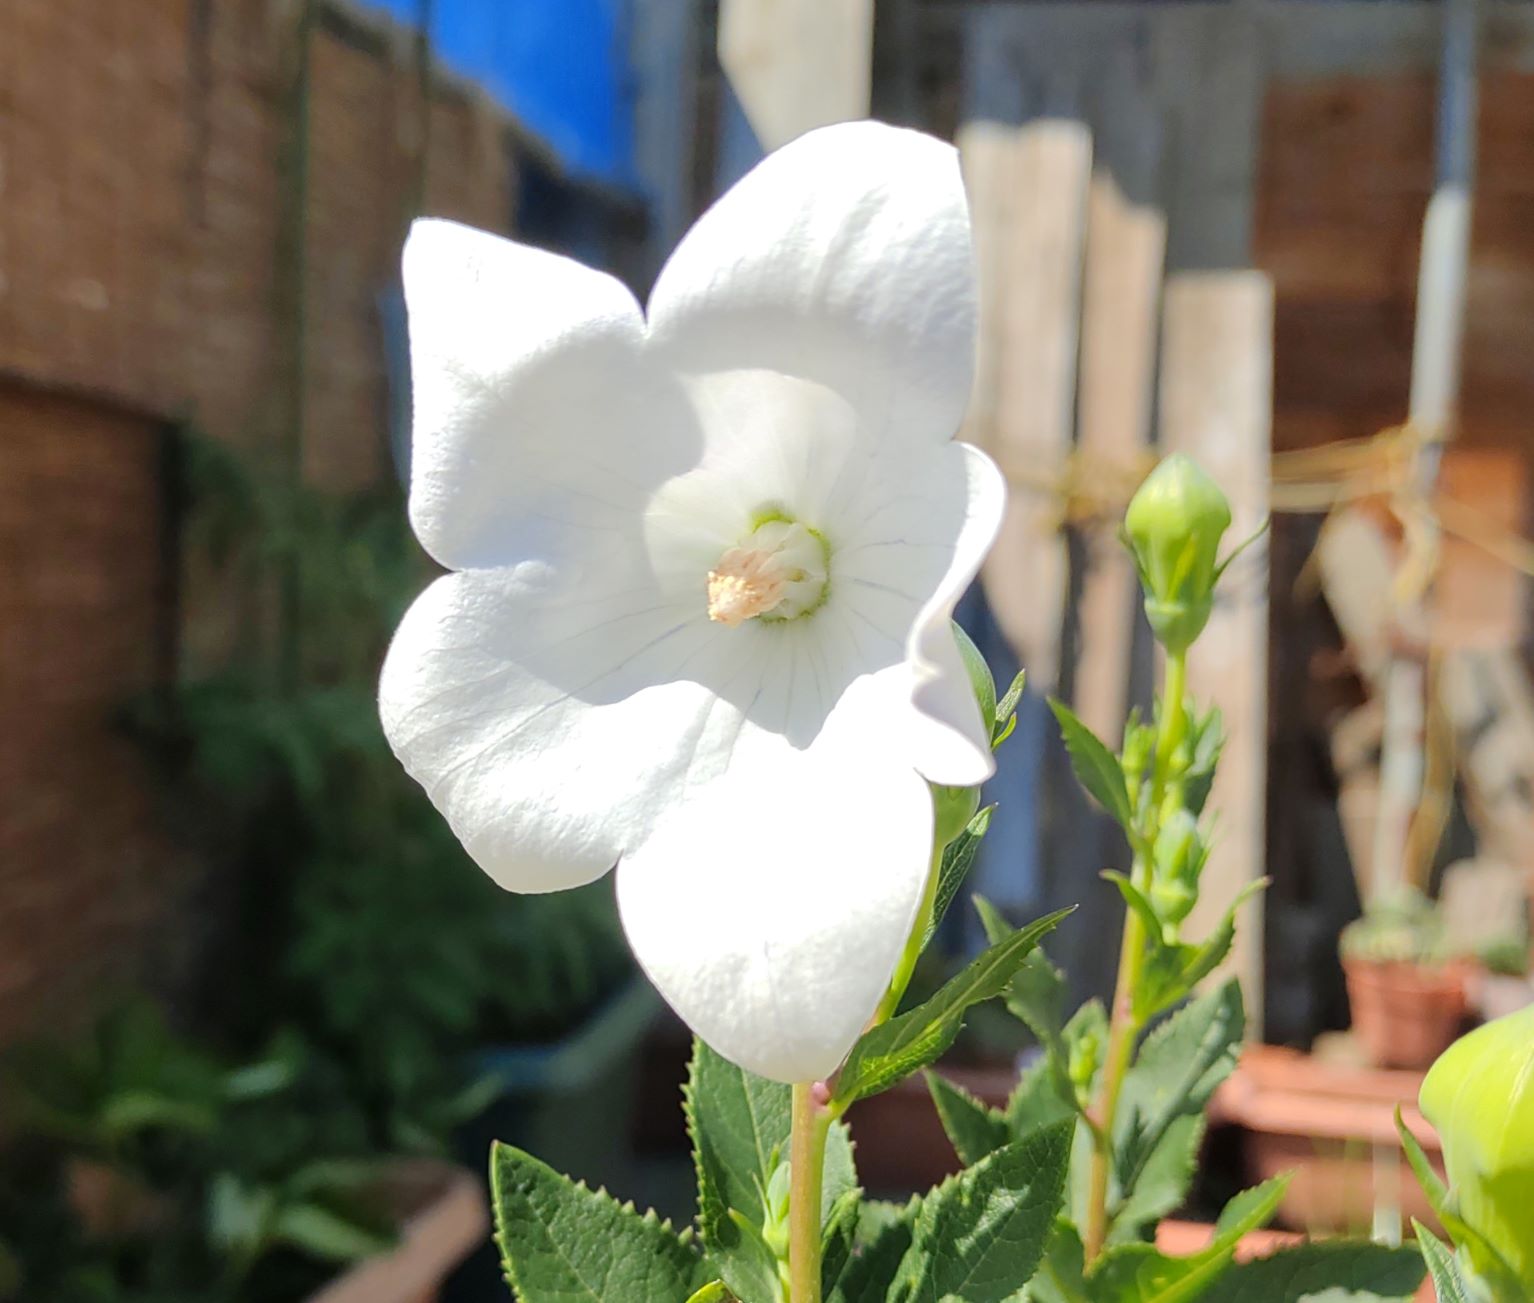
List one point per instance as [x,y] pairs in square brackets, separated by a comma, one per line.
[442,1216]
[1404,1014]
[1331,1125]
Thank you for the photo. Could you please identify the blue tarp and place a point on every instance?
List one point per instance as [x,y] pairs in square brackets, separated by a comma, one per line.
[559,66]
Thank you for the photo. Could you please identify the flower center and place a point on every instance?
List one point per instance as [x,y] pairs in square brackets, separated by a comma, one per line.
[779,571]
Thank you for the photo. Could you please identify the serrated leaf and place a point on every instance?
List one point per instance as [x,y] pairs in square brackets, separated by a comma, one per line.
[958,859]
[1061,1277]
[894,1050]
[1452,1283]
[1035,1100]
[1163,1181]
[1177,1069]
[974,1128]
[1356,1271]
[979,1236]
[1139,1273]
[839,1238]
[739,1126]
[885,1233]
[1097,769]
[561,1242]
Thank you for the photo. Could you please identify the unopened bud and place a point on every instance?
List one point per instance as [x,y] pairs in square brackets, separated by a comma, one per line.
[1173,526]
[1480,1098]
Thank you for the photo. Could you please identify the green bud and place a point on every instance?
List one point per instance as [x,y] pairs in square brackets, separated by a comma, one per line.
[954,807]
[1173,527]
[1085,1056]
[1479,1097]
[1179,855]
[1139,747]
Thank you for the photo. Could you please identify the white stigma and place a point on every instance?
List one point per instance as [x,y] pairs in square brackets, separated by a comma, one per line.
[778,572]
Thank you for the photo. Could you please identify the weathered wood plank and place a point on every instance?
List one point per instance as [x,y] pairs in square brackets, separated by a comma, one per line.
[1036,325]
[1216,405]
[1125,248]
[797,64]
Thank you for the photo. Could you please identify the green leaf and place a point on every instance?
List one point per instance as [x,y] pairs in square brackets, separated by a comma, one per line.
[1449,1277]
[1036,1100]
[1061,1277]
[979,1236]
[1174,970]
[894,1050]
[1138,1273]
[958,859]
[1163,1181]
[739,1126]
[1006,710]
[563,1243]
[839,1238]
[868,1275]
[974,1127]
[1175,1072]
[1356,1271]
[1097,769]
[716,1291]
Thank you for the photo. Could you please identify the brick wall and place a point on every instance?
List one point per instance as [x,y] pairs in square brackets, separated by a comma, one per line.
[141,201]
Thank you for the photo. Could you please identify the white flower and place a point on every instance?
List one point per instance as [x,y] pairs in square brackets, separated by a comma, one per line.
[704,563]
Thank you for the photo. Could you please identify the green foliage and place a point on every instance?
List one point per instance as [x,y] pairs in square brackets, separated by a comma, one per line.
[1138,1273]
[1346,1273]
[1097,769]
[957,861]
[562,1242]
[1176,1071]
[894,1050]
[980,1234]
[1451,1280]
[975,1128]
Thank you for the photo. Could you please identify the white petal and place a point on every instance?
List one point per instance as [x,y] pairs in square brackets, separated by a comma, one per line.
[546,718]
[540,427]
[927,523]
[772,914]
[844,258]
[953,742]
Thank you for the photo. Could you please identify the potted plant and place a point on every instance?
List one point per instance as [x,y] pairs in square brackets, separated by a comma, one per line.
[1409,997]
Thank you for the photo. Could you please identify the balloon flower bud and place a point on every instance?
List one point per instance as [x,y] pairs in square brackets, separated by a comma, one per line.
[1480,1098]
[1173,526]
[954,807]
[1179,856]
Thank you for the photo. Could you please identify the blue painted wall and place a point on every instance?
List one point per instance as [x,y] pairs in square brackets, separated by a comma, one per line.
[560,66]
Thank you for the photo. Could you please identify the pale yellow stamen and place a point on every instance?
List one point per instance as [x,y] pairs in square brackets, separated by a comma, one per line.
[746,583]
[779,571]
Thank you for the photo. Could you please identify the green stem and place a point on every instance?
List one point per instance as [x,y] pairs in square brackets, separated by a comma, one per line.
[913,946]
[1125,1025]
[811,1123]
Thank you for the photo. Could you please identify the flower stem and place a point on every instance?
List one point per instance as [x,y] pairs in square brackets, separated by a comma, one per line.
[912,952]
[811,1122]
[1125,1024]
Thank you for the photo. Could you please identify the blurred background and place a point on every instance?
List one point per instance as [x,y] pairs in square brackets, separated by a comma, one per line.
[259,1015]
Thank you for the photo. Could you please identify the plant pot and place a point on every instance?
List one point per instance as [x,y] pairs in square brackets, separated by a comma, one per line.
[442,1216]
[570,1103]
[1332,1125]
[1405,1015]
